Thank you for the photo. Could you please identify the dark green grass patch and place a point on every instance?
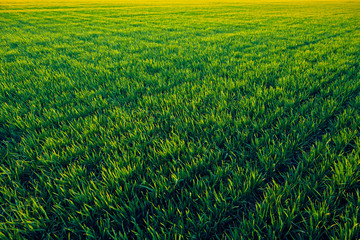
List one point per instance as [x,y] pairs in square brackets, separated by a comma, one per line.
[215,121]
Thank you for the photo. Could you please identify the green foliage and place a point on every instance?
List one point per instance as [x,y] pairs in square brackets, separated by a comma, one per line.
[218,121]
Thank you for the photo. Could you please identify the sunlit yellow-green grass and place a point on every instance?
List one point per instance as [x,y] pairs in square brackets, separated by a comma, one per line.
[179,120]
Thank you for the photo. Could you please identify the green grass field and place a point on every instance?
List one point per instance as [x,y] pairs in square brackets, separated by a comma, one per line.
[158,120]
